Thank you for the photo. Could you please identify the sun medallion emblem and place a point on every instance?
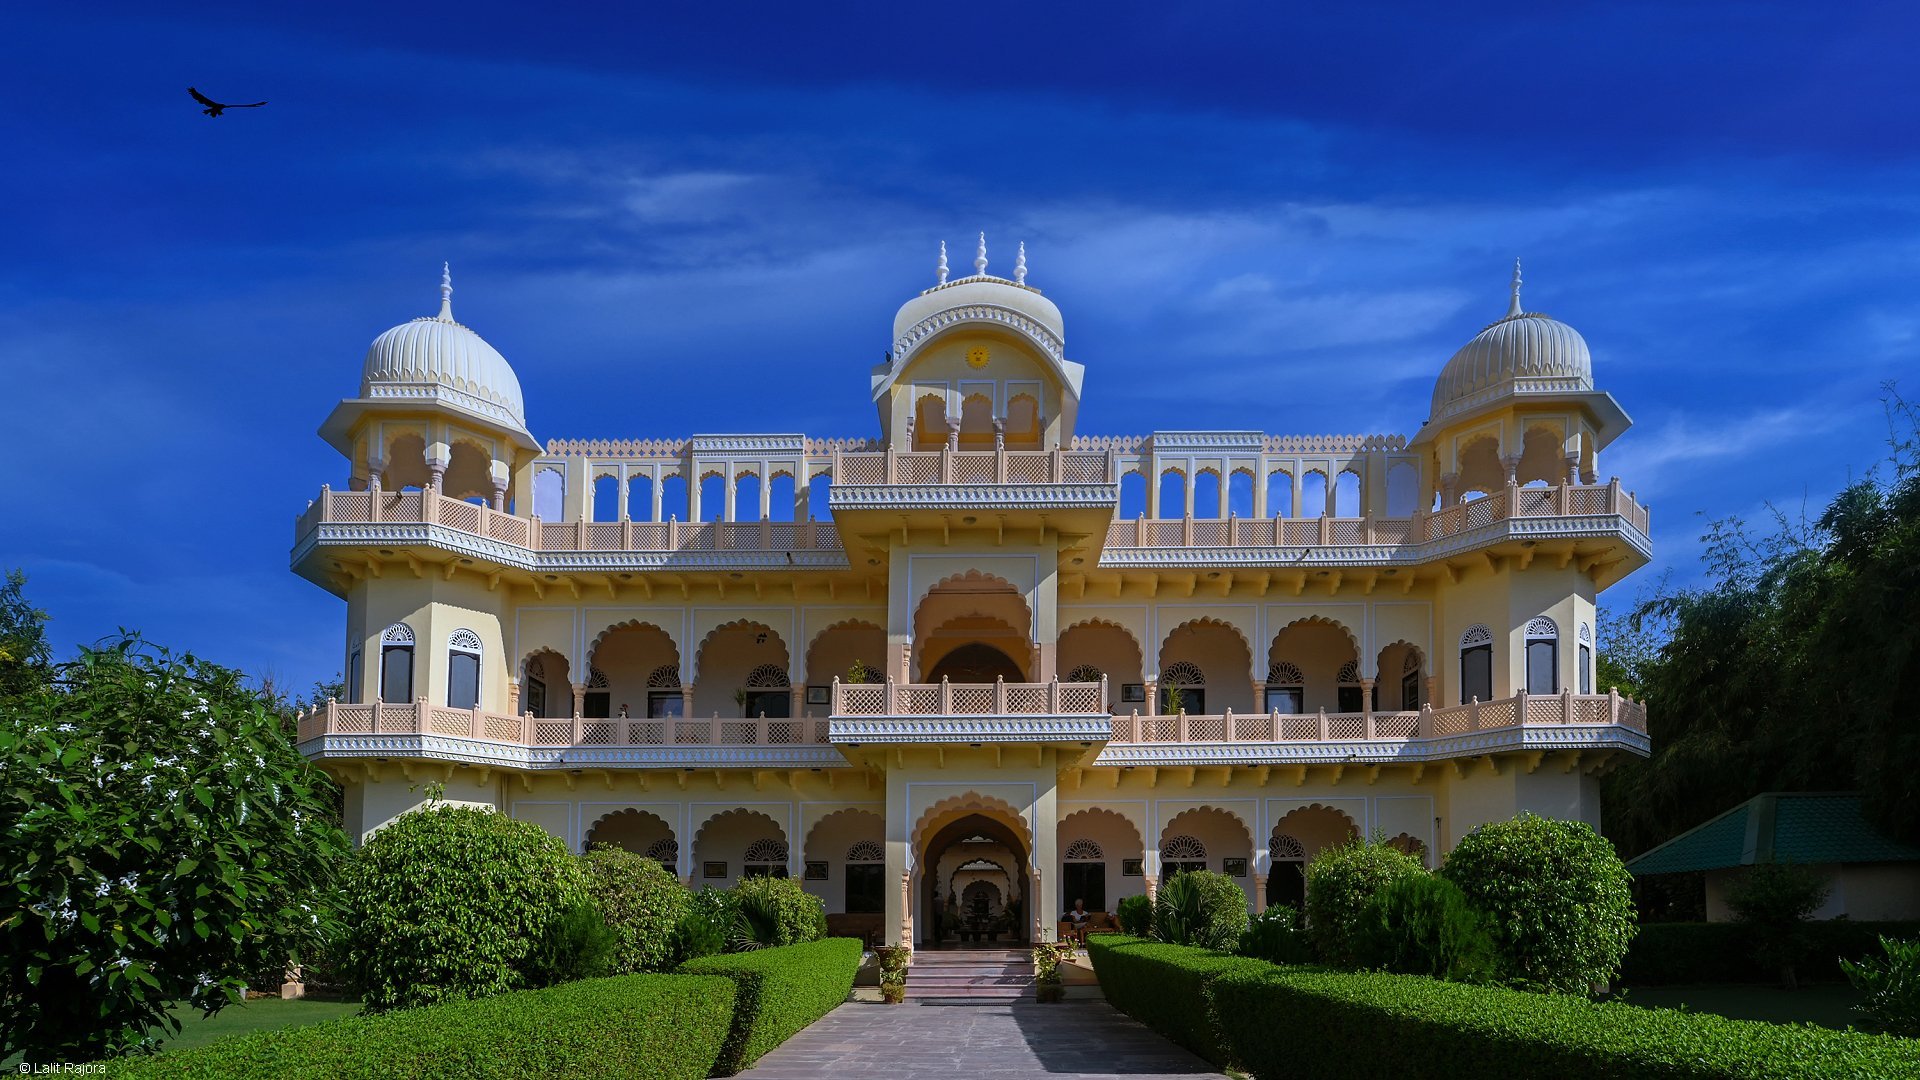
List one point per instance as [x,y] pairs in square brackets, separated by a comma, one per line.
[978,356]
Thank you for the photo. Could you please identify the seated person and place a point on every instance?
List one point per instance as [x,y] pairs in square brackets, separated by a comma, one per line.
[1076,919]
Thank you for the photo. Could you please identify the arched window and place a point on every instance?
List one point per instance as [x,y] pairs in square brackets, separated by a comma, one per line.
[746,497]
[1084,673]
[1083,875]
[1240,494]
[356,671]
[1410,695]
[713,497]
[663,692]
[1206,495]
[1183,686]
[1346,494]
[1179,854]
[1476,664]
[533,691]
[1402,494]
[1173,494]
[396,663]
[780,502]
[766,692]
[1313,494]
[1083,850]
[666,852]
[598,704]
[1543,655]
[1286,687]
[673,498]
[606,497]
[1347,687]
[1287,877]
[640,498]
[765,858]
[463,670]
[1280,494]
[818,494]
[1133,496]
[866,879]
[1586,659]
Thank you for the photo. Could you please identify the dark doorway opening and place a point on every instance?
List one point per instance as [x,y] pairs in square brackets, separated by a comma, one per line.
[975,663]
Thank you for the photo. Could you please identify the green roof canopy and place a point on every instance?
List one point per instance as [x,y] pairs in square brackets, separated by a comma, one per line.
[1780,826]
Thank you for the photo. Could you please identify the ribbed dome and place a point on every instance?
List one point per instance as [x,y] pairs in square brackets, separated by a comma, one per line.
[1524,353]
[437,358]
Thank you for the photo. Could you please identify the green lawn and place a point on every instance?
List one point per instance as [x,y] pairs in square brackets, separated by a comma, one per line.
[261,1014]
[1827,1004]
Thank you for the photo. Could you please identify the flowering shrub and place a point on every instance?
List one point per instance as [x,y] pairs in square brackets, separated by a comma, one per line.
[164,843]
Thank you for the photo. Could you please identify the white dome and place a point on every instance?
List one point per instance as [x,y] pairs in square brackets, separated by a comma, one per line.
[981,298]
[438,359]
[1524,353]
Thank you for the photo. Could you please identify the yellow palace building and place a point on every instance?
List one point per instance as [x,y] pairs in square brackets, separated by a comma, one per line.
[957,675]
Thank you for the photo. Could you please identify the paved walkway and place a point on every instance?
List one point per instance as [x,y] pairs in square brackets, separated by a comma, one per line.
[1085,1039]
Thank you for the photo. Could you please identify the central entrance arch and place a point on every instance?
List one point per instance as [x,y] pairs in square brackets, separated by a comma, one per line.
[975,662]
[951,870]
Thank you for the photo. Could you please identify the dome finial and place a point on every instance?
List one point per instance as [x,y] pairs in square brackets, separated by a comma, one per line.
[1020,265]
[941,267]
[980,257]
[446,291]
[1513,308]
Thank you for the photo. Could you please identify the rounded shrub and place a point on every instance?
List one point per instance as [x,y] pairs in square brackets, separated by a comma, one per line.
[642,903]
[1276,936]
[1422,924]
[1135,915]
[577,945]
[1200,908]
[775,911]
[1340,881]
[450,902]
[1558,901]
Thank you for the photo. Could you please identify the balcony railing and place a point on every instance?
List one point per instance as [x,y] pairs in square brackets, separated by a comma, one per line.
[974,467]
[420,718]
[425,507]
[1565,500]
[1521,710]
[997,698]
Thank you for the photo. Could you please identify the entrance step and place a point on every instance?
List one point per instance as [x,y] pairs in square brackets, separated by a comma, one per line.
[973,974]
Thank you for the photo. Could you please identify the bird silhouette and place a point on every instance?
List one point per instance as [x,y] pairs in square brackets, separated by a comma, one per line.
[215,108]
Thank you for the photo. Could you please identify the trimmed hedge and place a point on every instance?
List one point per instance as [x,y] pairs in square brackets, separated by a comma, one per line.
[1163,987]
[782,990]
[658,1026]
[1280,1022]
[1667,953]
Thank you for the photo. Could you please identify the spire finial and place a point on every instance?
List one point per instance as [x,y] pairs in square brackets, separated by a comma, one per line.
[980,257]
[446,291]
[1020,265]
[942,265]
[1513,308]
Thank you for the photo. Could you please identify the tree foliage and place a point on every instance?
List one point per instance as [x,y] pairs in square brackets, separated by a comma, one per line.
[643,903]
[25,659]
[1340,880]
[164,842]
[1792,667]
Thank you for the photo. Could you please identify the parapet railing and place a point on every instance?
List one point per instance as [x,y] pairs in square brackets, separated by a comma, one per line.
[421,718]
[1520,710]
[1564,500]
[426,507]
[974,467]
[997,698]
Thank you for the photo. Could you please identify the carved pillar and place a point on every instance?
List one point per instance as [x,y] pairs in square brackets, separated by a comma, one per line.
[686,701]
[436,476]
[1573,468]
[513,697]
[1259,893]
[500,495]
[1259,696]
[1153,886]
[1588,476]
[999,433]
[1366,699]
[375,467]
[1511,463]
[797,701]
[579,699]
[1153,698]
[906,908]
[1449,489]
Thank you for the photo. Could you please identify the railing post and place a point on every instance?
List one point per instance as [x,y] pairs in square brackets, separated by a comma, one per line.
[1133,727]
[946,463]
[673,532]
[1564,496]
[1613,495]
[760,730]
[580,535]
[1613,705]
[376,715]
[578,723]
[892,704]
[999,695]
[626,534]
[1186,530]
[1520,709]
[475,730]
[835,707]
[429,506]
[713,730]
[1053,696]
[1566,705]
[999,461]
[892,462]
[946,696]
[766,535]
[1058,468]
[1326,530]
[1140,531]
[1180,731]
[1227,733]
[1104,704]
[1424,726]
[526,729]
[1323,713]
[1368,526]
[1473,714]
[1366,703]
[373,500]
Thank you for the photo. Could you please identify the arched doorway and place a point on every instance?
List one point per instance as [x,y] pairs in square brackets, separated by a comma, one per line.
[975,662]
[952,856]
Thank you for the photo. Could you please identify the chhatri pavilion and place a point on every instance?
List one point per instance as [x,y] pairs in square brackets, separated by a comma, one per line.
[963,672]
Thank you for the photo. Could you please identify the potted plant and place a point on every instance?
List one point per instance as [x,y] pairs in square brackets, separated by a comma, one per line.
[740,699]
[894,961]
[1048,987]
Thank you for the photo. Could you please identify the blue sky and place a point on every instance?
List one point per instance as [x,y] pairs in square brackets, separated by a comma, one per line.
[691,218]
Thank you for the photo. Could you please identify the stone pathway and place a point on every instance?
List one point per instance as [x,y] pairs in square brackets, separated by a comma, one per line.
[997,1041]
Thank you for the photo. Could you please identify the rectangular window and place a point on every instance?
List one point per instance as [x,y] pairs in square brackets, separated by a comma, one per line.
[1349,699]
[1410,691]
[1476,674]
[598,705]
[1586,669]
[1285,700]
[535,701]
[1191,698]
[463,680]
[665,703]
[866,888]
[1084,881]
[773,703]
[1542,678]
[396,674]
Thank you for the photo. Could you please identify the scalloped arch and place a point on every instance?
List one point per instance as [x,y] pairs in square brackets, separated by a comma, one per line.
[1414,651]
[879,820]
[738,813]
[1353,827]
[627,812]
[1101,813]
[740,624]
[1168,829]
[1208,621]
[813,642]
[955,807]
[1139,654]
[634,624]
[1323,620]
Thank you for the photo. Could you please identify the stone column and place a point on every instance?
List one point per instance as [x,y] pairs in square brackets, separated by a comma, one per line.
[1511,463]
[500,495]
[1259,893]
[1153,886]
[906,908]
[686,701]
[579,699]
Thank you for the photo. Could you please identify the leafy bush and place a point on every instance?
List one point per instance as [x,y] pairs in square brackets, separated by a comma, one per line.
[772,911]
[1422,925]
[782,990]
[1275,935]
[164,842]
[1289,1022]
[1702,952]
[1891,983]
[449,902]
[894,961]
[1558,900]
[1135,915]
[707,924]
[1777,900]
[642,902]
[1200,907]
[1340,881]
[1163,986]
[577,945]
[666,1026]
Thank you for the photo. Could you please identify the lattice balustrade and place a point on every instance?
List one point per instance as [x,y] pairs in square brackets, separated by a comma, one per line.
[1255,728]
[1301,533]
[1454,720]
[1296,727]
[691,733]
[1396,725]
[1446,522]
[862,469]
[461,515]
[1257,533]
[557,536]
[400,506]
[698,537]
[826,537]
[1537,501]
[1392,530]
[509,529]
[784,732]
[646,732]
[552,732]
[972,700]
[606,536]
[1084,468]
[1121,534]
[1545,710]
[1206,729]
[449,721]
[350,506]
[1591,500]
[353,719]
[1497,714]
[1633,714]
[1349,531]
[739,732]
[1029,468]
[973,469]
[918,700]
[1026,698]
[1346,726]
[918,468]
[1590,710]
[1081,698]
[860,700]
[501,728]
[783,535]
[1210,534]
[1166,534]
[597,733]
[1160,729]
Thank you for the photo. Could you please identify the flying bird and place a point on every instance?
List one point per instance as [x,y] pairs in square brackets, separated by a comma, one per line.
[215,108]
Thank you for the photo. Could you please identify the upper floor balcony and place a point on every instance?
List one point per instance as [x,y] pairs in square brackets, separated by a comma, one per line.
[954,466]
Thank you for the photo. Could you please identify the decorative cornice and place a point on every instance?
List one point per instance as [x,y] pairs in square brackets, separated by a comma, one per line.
[1381,751]
[795,445]
[972,496]
[969,729]
[1041,335]
[1118,557]
[560,758]
[1244,442]
[460,542]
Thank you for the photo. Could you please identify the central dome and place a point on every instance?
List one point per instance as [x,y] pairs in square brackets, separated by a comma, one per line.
[439,359]
[1524,353]
[981,297]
